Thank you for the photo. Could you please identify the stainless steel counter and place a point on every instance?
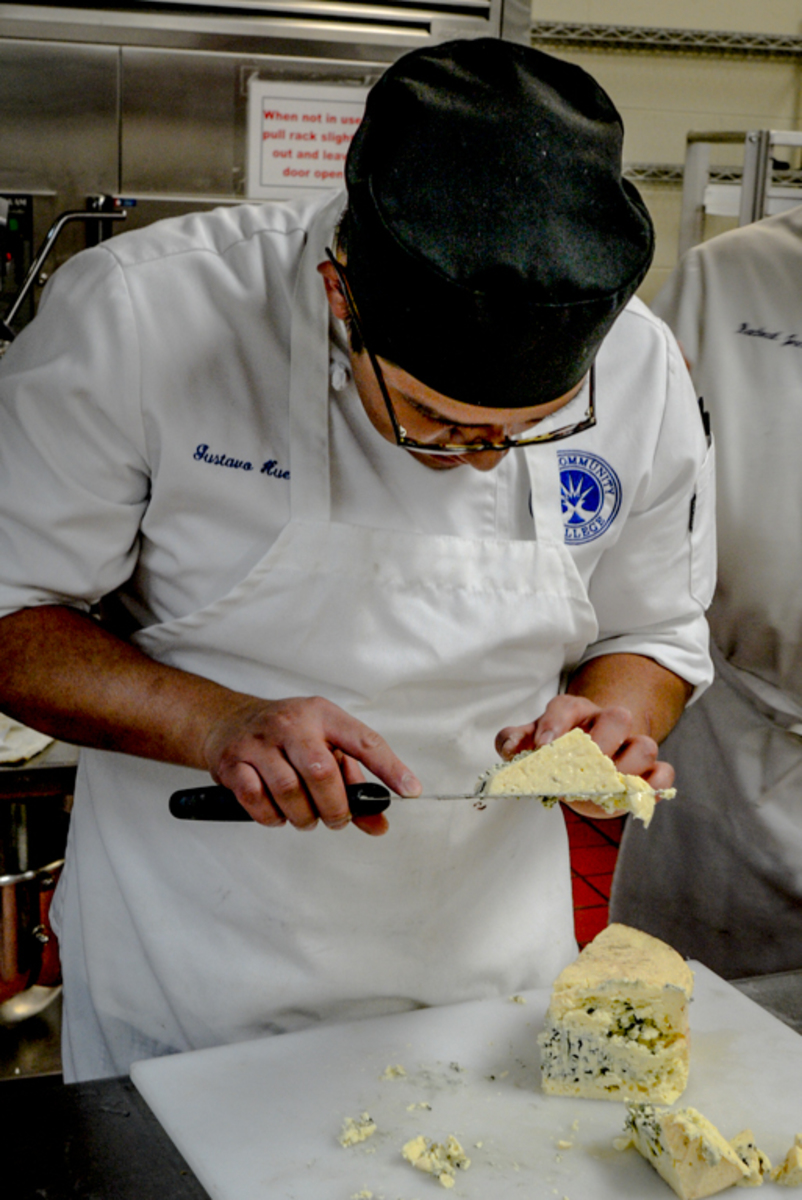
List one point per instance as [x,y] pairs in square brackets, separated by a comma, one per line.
[87,1141]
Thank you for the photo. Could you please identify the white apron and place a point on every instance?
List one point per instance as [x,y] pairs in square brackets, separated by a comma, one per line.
[177,936]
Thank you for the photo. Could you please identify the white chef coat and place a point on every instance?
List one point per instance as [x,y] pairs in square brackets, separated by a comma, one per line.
[735,899]
[153,401]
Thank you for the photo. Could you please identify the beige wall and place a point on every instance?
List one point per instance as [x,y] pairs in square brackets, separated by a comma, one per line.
[663,95]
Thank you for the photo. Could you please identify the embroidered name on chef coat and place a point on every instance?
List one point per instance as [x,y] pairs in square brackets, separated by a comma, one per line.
[204,453]
[590,495]
[779,336]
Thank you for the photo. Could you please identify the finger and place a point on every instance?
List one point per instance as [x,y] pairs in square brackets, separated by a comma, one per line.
[374,825]
[515,739]
[562,714]
[288,792]
[611,730]
[369,748]
[586,808]
[321,774]
[246,783]
[637,755]
[349,768]
[661,776]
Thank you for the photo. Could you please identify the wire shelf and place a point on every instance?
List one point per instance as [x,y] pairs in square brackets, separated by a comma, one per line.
[654,38]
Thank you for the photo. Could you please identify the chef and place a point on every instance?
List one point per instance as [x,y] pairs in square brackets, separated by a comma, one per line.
[361,484]
[720,873]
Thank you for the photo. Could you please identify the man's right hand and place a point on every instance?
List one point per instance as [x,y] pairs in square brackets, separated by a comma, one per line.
[286,760]
[289,761]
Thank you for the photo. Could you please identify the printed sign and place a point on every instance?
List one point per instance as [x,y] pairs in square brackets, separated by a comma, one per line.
[298,136]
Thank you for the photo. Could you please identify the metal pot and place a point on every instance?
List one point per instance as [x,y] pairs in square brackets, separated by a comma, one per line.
[33,833]
[28,946]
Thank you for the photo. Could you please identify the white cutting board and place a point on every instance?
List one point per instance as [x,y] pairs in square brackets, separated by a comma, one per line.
[260,1120]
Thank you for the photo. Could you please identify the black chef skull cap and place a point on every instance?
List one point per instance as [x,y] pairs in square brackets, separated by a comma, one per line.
[491,239]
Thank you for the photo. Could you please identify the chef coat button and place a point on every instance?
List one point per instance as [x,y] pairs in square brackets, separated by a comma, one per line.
[339,376]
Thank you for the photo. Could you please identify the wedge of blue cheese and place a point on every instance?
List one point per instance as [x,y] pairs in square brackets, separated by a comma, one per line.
[756,1162]
[572,766]
[789,1172]
[684,1148]
[617,1024]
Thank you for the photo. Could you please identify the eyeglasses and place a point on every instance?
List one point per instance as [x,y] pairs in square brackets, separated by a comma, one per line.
[403,439]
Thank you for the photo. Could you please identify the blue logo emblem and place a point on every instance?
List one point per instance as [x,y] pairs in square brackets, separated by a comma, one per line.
[591,495]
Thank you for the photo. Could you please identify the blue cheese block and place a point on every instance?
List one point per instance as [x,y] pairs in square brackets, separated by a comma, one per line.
[617,1024]
[684,1148]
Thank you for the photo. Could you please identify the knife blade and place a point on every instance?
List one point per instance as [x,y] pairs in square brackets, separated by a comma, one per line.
[216,803]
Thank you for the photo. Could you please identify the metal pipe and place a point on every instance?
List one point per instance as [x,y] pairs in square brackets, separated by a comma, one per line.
[6,332]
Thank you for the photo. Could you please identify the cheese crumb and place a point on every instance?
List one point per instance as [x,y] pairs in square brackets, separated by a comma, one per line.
[357,1130]
[789,1172]
[438,1160]
[518,999]
[393,1072]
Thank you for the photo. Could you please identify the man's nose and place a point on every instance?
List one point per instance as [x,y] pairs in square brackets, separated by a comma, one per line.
[485,460]
[479,433]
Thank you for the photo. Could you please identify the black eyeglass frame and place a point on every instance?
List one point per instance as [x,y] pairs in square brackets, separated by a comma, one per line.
[455,448]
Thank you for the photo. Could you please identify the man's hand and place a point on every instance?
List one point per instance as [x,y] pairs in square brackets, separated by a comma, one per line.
[626,703]
[288,760]
[63,673]
[610,728]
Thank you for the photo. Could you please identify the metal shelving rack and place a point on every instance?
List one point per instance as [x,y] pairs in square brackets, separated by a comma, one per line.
[753,191]
[642,38]
[760,191]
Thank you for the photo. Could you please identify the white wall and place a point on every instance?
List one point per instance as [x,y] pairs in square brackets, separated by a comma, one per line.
[664,94]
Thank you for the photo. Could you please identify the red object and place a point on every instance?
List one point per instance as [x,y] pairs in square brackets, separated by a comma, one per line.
[594,850]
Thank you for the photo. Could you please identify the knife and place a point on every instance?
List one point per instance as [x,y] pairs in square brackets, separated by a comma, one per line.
[215,803]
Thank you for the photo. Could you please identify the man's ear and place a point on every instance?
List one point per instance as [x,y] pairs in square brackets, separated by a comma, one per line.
[334,291]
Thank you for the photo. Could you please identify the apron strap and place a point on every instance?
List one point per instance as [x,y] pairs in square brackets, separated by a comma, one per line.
[544,474]
[544,477]
[310,485]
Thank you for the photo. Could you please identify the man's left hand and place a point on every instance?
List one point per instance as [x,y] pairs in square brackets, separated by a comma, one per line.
[611,727]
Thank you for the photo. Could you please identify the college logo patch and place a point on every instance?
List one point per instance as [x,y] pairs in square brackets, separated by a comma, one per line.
[591,495]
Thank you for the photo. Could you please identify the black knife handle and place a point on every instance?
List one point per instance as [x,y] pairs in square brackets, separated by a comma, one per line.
[215,803]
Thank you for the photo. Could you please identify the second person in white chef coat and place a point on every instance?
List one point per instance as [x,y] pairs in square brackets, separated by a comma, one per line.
[720,872]
[311,588]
